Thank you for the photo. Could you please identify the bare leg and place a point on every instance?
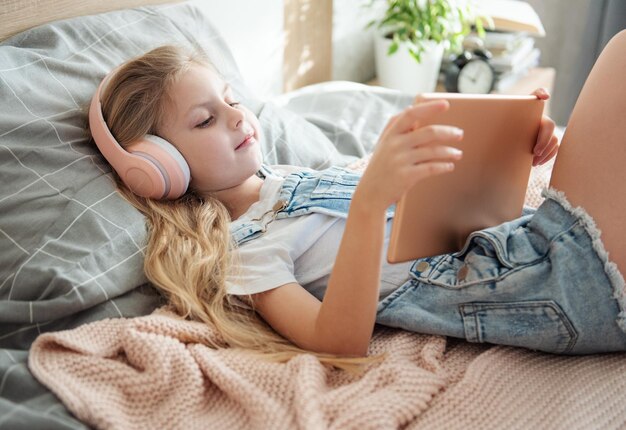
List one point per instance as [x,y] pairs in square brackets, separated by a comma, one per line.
[591,165]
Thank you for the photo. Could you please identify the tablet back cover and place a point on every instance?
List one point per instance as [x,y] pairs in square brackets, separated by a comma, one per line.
[487,186]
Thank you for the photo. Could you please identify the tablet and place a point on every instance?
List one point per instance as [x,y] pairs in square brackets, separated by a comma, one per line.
[487,186]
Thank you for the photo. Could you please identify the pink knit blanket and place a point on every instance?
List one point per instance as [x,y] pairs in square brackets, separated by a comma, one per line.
[154,372]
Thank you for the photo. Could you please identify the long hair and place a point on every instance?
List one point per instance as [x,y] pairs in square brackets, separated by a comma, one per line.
[188,255]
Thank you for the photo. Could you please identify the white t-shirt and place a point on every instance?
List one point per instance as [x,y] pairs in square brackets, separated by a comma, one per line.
[299,249]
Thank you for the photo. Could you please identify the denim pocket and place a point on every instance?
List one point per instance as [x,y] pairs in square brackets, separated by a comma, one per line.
[484,244]
[481,261]
[336,184]
[488,256]
[540,325]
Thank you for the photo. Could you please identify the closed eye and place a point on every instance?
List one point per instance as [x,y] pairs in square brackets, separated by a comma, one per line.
[207,122]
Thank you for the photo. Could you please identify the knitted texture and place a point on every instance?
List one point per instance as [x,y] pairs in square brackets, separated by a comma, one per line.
[512,388]
[154,372]
[539,179]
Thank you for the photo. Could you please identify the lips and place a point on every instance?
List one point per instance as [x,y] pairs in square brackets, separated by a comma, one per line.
[247,141]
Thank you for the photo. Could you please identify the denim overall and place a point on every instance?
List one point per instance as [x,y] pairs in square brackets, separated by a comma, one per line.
[328,192]
[542,281]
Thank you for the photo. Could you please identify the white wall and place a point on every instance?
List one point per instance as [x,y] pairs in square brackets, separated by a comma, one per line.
[576,32]
[253,30]
[353,46]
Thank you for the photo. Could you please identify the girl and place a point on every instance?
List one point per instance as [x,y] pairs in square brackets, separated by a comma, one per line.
[304,250]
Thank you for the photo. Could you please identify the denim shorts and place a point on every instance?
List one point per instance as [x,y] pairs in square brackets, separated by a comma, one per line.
[542,281]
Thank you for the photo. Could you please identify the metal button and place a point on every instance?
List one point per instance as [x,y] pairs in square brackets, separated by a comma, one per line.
[422,266]
[462,273]
[279,206]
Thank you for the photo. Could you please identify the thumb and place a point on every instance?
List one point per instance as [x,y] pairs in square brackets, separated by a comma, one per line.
[389,124]
[418,99]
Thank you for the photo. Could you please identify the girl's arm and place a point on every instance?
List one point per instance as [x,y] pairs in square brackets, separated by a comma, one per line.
[343,322]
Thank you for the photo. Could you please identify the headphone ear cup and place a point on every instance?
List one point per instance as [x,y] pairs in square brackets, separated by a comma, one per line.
[150,167]
[168,161]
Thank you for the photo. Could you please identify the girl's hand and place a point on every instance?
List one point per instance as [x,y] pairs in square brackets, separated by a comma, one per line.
[547,144]
[407,152]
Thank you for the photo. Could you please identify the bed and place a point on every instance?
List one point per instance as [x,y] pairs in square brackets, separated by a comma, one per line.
[71,255]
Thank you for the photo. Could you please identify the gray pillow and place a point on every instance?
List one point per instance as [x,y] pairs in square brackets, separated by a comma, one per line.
[68,241]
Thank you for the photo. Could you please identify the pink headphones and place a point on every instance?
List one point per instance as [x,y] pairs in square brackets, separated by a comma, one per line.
[151,166]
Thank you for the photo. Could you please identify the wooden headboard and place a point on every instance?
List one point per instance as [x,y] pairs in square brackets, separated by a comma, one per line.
[307,24]
[20,15]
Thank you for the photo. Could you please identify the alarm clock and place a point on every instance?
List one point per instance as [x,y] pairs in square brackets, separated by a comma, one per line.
[470,72]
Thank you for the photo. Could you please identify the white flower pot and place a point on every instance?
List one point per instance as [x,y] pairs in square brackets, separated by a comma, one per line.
[400,70]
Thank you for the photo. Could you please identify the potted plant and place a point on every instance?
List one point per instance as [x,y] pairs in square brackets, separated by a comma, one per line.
[412,37]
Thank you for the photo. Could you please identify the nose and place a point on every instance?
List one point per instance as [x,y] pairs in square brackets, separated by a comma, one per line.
[235,118]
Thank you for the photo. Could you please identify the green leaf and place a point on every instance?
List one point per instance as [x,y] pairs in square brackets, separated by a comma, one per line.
[440,20]
[416,55]
[392,48]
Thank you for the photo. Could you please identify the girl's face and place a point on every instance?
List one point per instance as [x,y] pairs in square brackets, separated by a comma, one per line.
[218,137]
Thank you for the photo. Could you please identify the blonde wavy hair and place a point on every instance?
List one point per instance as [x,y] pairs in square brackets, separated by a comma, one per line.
[188,255]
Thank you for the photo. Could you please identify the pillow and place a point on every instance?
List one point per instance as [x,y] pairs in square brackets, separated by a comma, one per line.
[349,114]
[68,241]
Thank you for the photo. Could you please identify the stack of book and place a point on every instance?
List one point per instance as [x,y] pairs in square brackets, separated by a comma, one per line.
[512,39]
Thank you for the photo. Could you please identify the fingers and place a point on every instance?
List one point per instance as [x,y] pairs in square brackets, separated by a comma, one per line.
[549,154]
[410,118]
[435,153]
[541,93]
[391,121]
[546,132]
[433,134]
[418,99]
[425,170]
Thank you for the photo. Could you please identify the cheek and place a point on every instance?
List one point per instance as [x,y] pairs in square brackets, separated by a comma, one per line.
[206,173]
[191,154]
